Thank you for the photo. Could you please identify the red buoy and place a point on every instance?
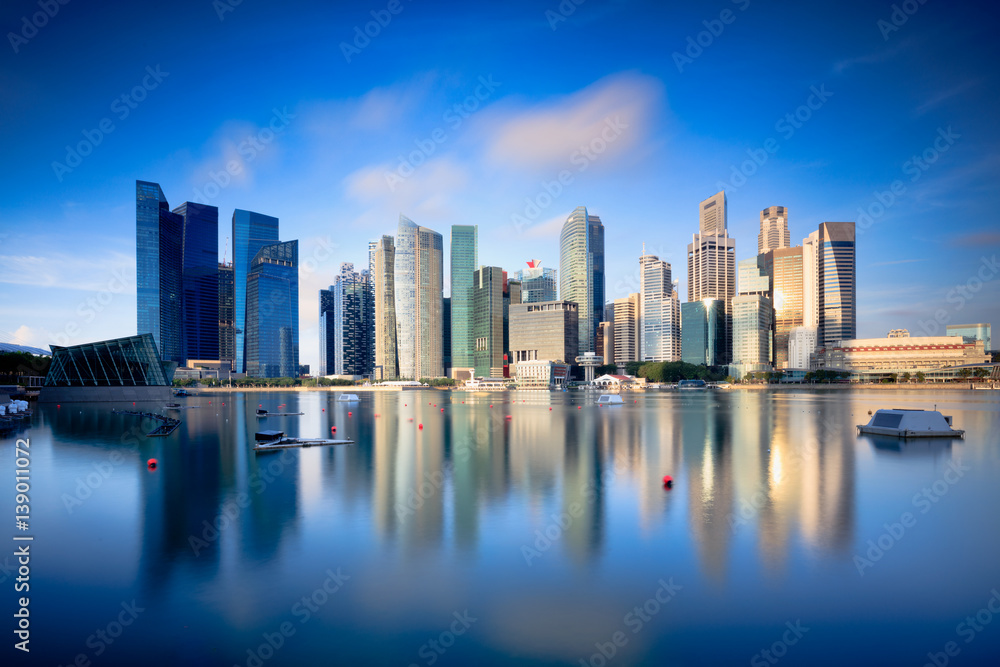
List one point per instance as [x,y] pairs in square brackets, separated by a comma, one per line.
[420,426]
[668,481]
[151,464]
[491,405]
[442,409]
[550,408]
[579,407]
[350,414]
[333,428]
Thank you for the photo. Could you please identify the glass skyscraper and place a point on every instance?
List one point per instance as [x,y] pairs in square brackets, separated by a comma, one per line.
[660,315]
[327,327]
[702,332]
[199,280]
[581,271]
[227,313]
[712,264]
[272,313]
[464,262]
[419,278]
[487,298]
[158,270]
[837,283]
[251,232]
[538,284]
[384,286]
[353,350]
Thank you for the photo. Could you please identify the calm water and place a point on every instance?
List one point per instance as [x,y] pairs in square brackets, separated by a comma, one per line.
[543,539]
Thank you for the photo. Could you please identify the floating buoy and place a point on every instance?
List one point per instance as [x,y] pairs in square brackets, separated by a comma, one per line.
[491,405]
[420,426]
[668,481]
[442,409]
[133,402]
[151,464]
[550,408]
[579,407]
[350,414]
[324,409]
[509,417]
[333,428]
[58,406]
[635,401]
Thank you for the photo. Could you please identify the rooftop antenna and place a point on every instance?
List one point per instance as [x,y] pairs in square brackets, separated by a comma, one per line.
[225,251]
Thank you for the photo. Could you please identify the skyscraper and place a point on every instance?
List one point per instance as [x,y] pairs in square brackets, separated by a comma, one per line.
[581,271]
[327,328]
[353,350]
[464,261]
[752,319]
[487,328]
[227,315]
[251,232]
[158,270]
[712,265]
[837,284]
[419,277]
[810,280]
[626,336]
[199,280]
[272,314]
[784,265]
[538,283]
[774,232]
[702,341]
[660,314]
[384,284]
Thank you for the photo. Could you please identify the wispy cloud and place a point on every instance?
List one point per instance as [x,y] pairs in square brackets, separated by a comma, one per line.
[945,95]
[898,261]
[875,57]
[114,271]
[990,239]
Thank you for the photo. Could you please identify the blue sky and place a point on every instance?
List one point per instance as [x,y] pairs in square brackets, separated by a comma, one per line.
[313,132]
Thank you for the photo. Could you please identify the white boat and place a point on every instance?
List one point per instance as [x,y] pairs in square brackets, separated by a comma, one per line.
[904,423]
[692,384]
[348,398]
[609,399]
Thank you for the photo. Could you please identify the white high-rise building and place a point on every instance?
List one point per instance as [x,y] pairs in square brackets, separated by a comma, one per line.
[712,264]
[774,232]
[810,280]
[801,344]
[419,278]
[660,316]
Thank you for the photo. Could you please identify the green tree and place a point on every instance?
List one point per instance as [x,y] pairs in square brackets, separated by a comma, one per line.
[920,376]
[964,373]
[981,373]
[906,376]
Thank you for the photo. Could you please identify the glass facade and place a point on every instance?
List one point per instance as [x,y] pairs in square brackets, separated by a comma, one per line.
[353,311]
[384,286]
[973,332]
[538,284]
[251,232]
[660,315]
[272,320]
[122,362]
[158,234]
[785,268]
[702,332]
[752,322]
[837,285]
[199,280]
[464,262]
[419,281]
[581,271]
[227,314]
[327,327]
[487,327]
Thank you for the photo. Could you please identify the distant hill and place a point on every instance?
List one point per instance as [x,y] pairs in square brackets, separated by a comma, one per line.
[10,347]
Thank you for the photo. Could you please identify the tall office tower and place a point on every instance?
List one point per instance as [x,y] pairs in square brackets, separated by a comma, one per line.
[383,279]
[581,271]
[774,232]
[487,321]
[604,343]
[810,280]
[353,349]
[538,284]
[660,316]
[272,320]
[702,341]
[712,265]
[199,280]
[419,284]
[546,331]
[327,329]
[464,262]
[801,344]
[158,234]
[251,232]
[627,328]
[837,285]
[785,268]
[446,335]
[752,319]
[512,294]
[227,315]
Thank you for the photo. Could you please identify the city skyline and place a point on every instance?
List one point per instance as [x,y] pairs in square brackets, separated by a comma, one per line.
[511,136]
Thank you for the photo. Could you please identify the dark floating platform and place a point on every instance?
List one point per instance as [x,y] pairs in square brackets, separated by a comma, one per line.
[265,441]
[167,424]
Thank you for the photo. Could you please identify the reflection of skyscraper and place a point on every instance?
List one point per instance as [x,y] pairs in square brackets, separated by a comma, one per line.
[419,281]
[464,262]
[712,264]
[708,449]
[251,232]
[581,271]
[272,339]
[383,278]
[837,284]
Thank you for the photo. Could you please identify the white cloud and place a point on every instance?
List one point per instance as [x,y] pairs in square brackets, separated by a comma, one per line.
[114,271]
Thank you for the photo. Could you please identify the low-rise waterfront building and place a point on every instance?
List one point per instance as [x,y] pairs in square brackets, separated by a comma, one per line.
[875,358]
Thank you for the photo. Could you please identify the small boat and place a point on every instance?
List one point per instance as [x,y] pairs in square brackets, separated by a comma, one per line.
[610,399]
[182,392]
[906,423]
[692,384]
[173,406]
[348,398]
[271,440]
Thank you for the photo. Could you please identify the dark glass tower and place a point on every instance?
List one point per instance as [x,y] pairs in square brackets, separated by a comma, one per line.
[837,283]
[581,271]
[327,329]
[199,280]
[464,262]
[272,312]
[227,330]
[251,232]
[158,270]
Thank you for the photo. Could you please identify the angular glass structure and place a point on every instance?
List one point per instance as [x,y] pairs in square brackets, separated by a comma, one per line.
[464,262]
[538,284]
[158,234]
[703,339]
[199,280]
[251,232]
[272,320]
[581,271]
